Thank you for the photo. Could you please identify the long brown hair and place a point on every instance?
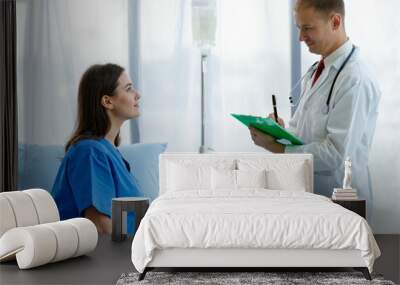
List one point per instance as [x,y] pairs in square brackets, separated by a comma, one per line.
[92,121]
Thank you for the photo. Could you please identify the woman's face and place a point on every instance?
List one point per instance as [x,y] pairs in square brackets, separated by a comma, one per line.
[125,101]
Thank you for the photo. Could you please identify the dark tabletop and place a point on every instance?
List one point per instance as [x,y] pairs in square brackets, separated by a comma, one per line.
[104,265]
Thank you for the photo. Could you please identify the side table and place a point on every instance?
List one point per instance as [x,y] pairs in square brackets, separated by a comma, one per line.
[357,206]
[122,205]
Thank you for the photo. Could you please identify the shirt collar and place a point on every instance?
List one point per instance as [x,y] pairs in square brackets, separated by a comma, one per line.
[339,55]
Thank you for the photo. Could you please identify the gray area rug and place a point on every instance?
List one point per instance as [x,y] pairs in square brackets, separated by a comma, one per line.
[225,278]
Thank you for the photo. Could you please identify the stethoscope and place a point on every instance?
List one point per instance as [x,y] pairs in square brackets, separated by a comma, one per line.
[312,69]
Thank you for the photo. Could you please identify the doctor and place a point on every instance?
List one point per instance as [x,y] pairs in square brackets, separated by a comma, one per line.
[338,108]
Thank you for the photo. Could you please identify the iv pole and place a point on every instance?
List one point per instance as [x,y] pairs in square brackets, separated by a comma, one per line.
[203,148]
[203,31]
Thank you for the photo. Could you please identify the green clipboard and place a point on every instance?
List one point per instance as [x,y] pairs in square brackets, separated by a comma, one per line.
[268,126]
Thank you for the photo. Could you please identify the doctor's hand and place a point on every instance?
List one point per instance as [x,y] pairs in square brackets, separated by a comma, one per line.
[266,141]
[280,120]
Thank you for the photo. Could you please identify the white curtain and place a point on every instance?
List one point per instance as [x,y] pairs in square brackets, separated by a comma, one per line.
[168,78]
[56,41]
[374,26]
[250,62]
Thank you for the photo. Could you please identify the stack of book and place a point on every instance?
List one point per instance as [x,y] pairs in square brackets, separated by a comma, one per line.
[344,194]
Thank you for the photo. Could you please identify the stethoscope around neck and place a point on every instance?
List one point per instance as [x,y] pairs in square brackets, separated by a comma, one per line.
[312,69]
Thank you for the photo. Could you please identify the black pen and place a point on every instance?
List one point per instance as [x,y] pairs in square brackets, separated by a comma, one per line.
[275,110]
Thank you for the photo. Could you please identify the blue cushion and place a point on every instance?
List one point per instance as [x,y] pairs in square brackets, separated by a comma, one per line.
[143,158]
[38,165]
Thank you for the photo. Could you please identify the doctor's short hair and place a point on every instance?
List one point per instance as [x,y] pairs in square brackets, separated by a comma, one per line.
[324,6]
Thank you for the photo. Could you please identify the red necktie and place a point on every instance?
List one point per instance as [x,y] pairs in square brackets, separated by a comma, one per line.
[320,68]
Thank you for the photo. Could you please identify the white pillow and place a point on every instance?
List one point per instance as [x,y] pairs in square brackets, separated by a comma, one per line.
[251,178]
[282,174]
[223,179]
[293,179]
[226,179]
[186,174]
[182,177]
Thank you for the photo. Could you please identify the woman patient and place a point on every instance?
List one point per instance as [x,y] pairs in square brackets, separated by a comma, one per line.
[93,171]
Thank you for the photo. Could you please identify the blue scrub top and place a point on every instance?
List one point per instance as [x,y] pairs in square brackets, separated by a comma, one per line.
[91,174]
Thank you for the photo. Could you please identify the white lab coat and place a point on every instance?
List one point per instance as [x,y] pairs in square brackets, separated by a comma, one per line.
[345,130]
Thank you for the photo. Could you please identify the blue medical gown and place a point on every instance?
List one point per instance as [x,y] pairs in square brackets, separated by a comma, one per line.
[91,174]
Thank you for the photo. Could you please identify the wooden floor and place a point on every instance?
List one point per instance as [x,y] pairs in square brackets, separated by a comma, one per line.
[110,260]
